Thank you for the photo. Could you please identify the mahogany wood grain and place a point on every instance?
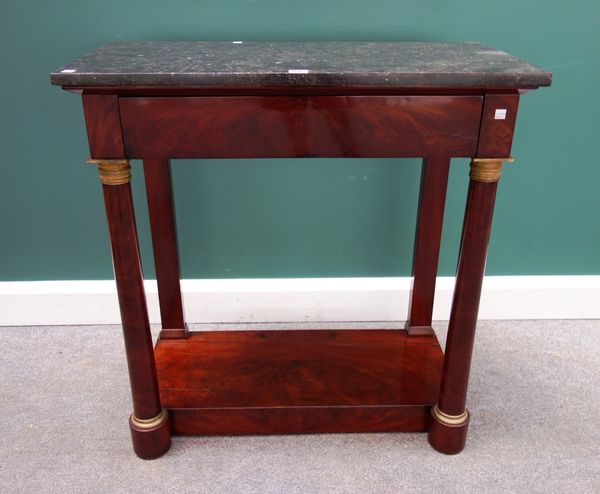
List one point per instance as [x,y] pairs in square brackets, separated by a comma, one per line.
[288,126]
[298,381]
[463,316]
[495,139]
[118,202]
[449,440]
[242,382]
[432,198]
[496,135]
[467,293]
[149,444]
[132,300]
[103,126]
[300,420]
[164,244]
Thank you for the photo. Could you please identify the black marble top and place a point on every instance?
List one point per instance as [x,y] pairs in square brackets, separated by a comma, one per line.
[260,64]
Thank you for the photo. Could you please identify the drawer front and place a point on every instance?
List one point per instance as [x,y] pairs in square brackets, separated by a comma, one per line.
[300,126]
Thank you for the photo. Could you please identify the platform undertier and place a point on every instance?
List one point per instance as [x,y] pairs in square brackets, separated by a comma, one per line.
[299,381]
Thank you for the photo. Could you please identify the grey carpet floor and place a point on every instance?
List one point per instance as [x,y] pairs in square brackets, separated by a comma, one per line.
[534,399]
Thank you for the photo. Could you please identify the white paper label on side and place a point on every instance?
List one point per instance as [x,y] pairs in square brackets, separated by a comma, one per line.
[500,114]
[298,71]
[68,71]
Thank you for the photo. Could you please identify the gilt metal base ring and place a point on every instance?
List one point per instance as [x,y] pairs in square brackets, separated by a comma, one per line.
[447,419]
[152,423]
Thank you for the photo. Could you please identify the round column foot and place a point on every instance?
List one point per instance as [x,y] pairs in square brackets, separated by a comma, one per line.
[151,438]
[448,433]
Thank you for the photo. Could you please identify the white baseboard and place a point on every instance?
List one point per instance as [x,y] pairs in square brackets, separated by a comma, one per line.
[305,299]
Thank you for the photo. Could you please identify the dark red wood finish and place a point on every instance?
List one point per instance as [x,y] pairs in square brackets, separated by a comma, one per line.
[298,381]
[495,136]
[467,292]
[132,300]
[152,443]
[286,126]
[299,420]
[432,199]
[103,124]
[494,142]
[449,440]
[243,382]
[105,140]
[463,317]
[164,245]
[134,316]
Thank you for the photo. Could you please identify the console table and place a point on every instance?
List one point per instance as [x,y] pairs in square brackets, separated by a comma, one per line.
[157,101]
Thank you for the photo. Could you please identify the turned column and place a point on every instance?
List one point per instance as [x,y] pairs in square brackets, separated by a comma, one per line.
[450,422]
[149,422]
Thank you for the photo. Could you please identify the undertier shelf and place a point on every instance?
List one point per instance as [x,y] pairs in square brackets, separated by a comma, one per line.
[299,381]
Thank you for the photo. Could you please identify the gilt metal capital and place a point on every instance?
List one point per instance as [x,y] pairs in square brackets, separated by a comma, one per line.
[113,172]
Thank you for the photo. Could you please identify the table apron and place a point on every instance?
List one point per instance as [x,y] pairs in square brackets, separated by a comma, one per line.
[300,126]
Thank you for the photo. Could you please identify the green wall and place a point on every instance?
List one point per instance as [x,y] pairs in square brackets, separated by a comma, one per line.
[295,218]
